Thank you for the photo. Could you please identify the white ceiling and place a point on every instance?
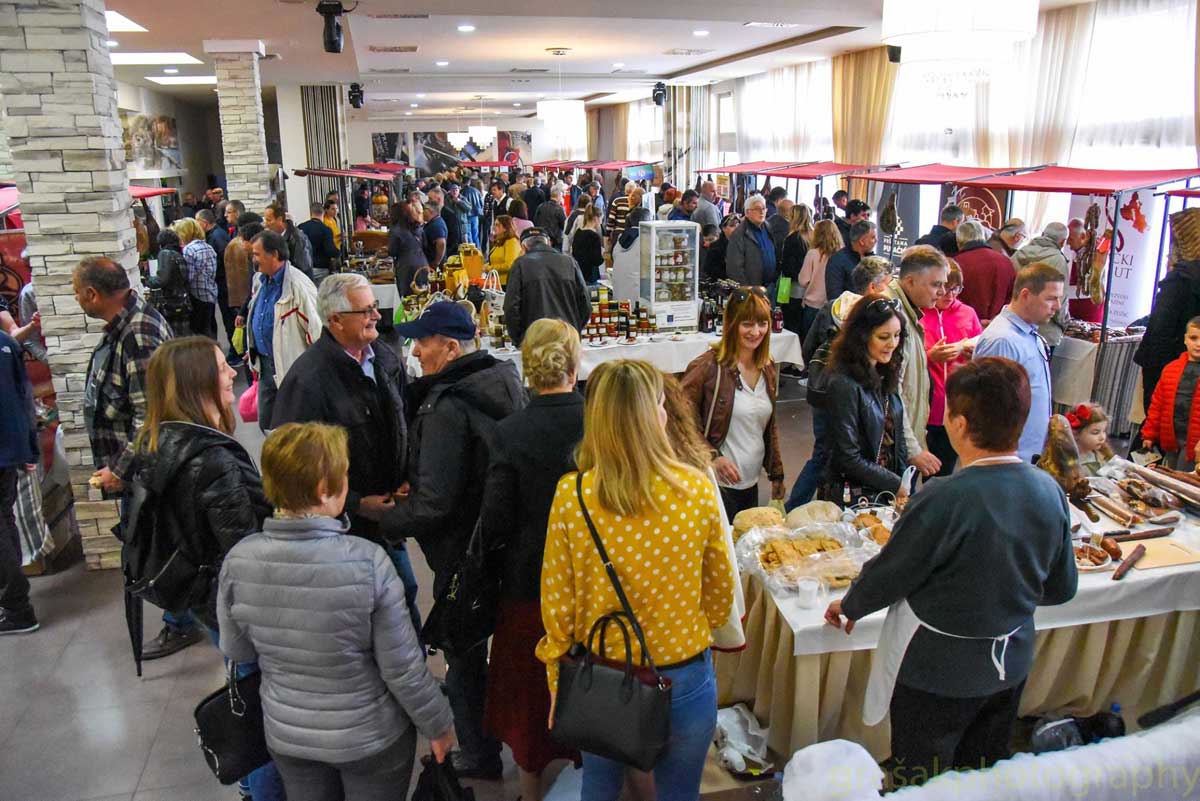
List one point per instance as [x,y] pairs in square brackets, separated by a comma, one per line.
[509,34]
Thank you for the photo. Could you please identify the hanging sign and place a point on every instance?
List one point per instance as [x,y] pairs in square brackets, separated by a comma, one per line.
[1136,245]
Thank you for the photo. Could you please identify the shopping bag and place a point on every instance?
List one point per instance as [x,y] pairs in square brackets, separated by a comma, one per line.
[229,727]
[472,260]
[784,294]
[248,403]
[439,782]
[238,340]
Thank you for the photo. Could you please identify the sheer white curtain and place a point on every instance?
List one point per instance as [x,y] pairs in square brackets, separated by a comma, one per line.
[786,114]
[933,117]
[644,131]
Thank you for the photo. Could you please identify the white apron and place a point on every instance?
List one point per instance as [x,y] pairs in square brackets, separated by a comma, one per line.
[899,627]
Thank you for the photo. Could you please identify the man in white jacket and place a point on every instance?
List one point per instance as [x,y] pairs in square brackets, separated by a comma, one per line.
[282,318]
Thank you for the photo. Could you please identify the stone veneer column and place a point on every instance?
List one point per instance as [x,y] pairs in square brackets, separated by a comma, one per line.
[239,98]
[68,161]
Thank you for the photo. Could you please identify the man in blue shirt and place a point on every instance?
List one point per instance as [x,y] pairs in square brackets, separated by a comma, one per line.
[434,234]
[1037,295]
[687,206]
[18,450]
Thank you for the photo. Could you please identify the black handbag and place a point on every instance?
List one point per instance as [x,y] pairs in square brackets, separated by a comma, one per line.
[439,782]
[229,726]
[612,709]
[464,614]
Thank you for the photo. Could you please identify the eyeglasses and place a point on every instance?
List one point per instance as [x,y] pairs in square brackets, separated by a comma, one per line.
[954,290]
[372,309]
[743,293]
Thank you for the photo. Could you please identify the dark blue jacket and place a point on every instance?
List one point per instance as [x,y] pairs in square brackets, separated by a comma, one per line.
[838,271]
[18,423]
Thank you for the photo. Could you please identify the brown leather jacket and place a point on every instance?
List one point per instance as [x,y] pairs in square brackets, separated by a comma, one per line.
[700,383]
[238,270]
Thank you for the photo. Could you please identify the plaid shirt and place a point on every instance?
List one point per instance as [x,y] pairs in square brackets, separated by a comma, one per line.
[202,270]
[133,335]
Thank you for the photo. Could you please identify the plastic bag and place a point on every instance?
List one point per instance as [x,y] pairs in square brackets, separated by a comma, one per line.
[439,782]
[741,742]
[248,403]
[832,568]
[238,341]
[836,770]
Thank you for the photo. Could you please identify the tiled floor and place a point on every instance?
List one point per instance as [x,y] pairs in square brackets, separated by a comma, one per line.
[76,723]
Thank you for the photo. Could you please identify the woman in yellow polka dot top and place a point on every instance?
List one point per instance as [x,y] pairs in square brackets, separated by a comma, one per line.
[660,523]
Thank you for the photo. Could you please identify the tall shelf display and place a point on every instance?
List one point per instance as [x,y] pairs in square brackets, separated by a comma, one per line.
[670,278]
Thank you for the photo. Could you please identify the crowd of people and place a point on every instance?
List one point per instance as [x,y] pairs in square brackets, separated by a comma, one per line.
[302,571]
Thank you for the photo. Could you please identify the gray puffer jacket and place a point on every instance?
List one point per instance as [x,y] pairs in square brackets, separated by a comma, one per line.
[323,613]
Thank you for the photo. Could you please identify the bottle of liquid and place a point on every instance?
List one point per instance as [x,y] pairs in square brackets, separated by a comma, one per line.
[777,320]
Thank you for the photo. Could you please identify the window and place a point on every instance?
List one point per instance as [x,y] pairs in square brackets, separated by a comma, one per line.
[726,125]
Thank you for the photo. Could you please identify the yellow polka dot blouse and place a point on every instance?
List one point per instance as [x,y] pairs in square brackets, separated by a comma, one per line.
[672,562]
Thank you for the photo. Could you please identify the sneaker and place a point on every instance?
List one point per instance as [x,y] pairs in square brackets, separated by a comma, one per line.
[170,641]
[17,624]
[490,769]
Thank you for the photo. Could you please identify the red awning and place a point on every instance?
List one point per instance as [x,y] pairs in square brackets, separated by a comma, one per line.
[542,165]
[752,167]
[1084,182]
[615,165]
[819,169]
[142,192]
[324,172]
[9,197]
[930,174]
[1183,193]
[382,166]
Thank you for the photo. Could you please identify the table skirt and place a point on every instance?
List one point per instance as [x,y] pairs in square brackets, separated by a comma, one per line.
[1140,662]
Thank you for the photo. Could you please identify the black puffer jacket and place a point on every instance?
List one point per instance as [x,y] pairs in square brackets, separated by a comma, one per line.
[544,283]
[171,277]
[856,420]
[1177,302]
[454,416]
[210,495]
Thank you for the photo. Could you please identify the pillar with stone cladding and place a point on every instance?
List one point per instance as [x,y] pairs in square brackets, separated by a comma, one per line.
[243,138]
[68,161]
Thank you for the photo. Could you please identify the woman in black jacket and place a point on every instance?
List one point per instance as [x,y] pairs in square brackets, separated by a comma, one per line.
[866,416]
[171,281]
[532,450]
[404,245]
[207,492]
[714,260]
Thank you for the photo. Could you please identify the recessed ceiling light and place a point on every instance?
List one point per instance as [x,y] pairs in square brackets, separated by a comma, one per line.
[497,112]
[182,80]
[413,105]
[700,33]
[771,25]
[442,63]
[408,114]
[516,105]
[466,28]
[171,70]
[112,43]
[153,58]
[618,64]
[119,23]
[420,94]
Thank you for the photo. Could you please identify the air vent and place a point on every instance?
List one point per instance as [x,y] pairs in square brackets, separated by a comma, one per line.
[770,25]
[393,48]
[397,71]
[398,16]
[520,80]
[528,71]
[628,72]
[686,51]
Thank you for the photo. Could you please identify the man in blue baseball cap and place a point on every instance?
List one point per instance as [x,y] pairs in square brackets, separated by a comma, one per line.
[462,394]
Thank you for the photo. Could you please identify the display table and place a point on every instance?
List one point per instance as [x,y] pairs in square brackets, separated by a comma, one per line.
[1136,642]
[667,355]
[1074,367]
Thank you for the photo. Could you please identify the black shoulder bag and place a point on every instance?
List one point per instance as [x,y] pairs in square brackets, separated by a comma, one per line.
[464,614]
[606,707]
[229,727]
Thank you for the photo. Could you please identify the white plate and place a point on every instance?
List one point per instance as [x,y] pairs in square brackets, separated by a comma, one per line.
[1088,567]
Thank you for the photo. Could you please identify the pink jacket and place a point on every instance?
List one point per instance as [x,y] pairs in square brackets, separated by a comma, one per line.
[956,323]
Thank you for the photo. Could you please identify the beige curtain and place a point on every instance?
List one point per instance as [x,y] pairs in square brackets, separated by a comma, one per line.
[862,98]
[1051,71]
[593,134]
[620,131]
[1196,108]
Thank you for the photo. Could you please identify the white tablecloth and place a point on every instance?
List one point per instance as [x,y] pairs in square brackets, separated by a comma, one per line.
[387,295]
[1141,593]
[666,355]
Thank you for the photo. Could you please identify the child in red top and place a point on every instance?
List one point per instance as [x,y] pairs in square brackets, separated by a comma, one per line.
[1173,420]
[951,328]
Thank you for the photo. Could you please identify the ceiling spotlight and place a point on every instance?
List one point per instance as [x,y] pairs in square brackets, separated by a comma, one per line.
[408,114]
[356,95]
[413,105]
[171,70]
[516,105]
[442,63]
[420,94]
[659,94]
[112,43]
[466,28]
[618,64]
[332,37]
[700,33]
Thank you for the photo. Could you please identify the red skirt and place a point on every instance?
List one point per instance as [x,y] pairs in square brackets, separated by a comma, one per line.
[518,699]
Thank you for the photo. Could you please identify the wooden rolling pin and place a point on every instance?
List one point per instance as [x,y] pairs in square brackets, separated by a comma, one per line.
[1128,562]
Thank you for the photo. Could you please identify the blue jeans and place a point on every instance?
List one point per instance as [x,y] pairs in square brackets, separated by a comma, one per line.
[806,483]
[399,556]
[179,621]
[473,231]
[693,719]
[265,783]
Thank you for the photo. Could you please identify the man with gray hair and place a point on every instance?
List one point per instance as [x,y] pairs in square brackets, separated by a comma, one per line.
[840,267]
[544,283]
[463,394]
[1048,249]
[349,378]
[706,212]
[988,275]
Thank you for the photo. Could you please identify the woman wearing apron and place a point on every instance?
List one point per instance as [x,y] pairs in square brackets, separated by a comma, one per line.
[970,560]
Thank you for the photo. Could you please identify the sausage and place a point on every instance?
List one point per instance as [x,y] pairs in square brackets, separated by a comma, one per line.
[1129,562]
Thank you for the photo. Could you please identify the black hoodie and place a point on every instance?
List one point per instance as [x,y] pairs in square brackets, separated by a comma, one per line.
[1177,302]
[454,415]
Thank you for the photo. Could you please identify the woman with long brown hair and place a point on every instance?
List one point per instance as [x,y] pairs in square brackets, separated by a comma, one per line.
[733,388]
[506,246]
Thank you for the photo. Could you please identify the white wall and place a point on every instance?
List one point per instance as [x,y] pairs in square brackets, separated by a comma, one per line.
[292,148]
[194,126]
[360,128]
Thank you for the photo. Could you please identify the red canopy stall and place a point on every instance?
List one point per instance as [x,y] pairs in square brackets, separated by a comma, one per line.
[343,178]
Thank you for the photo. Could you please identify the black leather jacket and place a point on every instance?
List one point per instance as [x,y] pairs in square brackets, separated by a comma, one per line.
[210,497]
[856,421]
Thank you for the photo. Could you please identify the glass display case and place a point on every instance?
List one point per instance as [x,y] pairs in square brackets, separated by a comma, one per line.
[670,278]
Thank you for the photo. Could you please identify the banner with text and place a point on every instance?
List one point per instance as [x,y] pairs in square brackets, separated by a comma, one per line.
[1137,250]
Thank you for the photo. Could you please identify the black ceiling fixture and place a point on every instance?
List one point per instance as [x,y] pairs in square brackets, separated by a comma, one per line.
[356,95]
[332,10]
[660,93]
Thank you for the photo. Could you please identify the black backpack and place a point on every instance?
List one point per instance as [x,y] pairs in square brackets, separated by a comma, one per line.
[817,391]
[157,568]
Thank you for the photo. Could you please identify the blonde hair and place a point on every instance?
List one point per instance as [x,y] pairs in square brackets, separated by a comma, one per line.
[682,430]
[754,307]
[181,379]
[954,277]
[297,457]
[623,444]
[827,238]
[189,230]
[802,222]
[550,353]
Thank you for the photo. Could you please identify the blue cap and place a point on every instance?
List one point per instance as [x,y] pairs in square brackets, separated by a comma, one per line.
[445,318]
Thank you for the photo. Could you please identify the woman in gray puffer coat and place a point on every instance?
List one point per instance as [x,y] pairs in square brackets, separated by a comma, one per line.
[345,688]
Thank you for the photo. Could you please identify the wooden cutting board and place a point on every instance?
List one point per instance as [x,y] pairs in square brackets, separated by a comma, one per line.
[1166,552]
